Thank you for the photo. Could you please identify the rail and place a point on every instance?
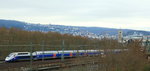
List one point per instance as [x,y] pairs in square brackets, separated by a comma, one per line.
[56,64]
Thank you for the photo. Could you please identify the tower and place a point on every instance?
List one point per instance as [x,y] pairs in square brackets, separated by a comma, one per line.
[120,36]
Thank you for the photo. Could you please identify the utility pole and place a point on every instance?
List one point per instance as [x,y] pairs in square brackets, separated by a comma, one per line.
[43,54]
[62,56]
[31,56]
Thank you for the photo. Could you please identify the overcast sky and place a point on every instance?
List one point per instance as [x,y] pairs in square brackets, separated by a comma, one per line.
[129,14]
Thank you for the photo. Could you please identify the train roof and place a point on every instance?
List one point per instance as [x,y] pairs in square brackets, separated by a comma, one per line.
[46,51]
[67,51]
[20,52]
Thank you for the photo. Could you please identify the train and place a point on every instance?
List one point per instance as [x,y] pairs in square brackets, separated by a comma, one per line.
[37,55]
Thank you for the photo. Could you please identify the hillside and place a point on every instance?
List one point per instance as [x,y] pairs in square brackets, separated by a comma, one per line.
[74,30]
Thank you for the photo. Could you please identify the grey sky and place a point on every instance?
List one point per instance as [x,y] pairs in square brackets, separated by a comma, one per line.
[131,14]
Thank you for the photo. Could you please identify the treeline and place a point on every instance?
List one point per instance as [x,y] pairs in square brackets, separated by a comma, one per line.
[131,60]
[17,36]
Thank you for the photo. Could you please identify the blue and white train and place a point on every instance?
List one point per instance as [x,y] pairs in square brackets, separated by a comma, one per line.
[17,56]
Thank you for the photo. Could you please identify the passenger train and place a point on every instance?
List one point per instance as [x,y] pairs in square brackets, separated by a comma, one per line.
[37,55]
[17,56]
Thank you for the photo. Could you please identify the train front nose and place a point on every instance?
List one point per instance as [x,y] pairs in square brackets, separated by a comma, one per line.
[7,59]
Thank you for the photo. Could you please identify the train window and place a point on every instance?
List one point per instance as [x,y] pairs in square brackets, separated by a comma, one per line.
[48,53]
[10,54]
[22,53]
[45,53]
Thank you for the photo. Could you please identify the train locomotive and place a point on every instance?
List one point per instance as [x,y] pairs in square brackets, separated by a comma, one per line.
[18,56]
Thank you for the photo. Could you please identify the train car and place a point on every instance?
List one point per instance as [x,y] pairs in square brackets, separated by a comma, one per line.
[18,56]
[44,54]
[66,53]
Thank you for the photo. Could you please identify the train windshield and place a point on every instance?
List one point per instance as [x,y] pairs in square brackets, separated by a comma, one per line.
[10,55]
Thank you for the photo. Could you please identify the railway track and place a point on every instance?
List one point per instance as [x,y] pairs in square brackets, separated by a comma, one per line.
[1,62]
[4,65]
